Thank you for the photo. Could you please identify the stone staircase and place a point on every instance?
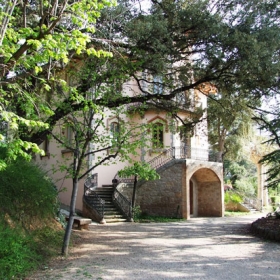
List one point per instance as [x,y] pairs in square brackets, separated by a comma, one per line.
[111,212]
[249,207]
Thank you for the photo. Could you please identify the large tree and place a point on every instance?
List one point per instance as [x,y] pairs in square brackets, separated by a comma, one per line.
[183,45]
[232,44]
[229,124]
[268,119]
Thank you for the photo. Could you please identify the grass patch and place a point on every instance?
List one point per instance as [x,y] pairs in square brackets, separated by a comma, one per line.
[236,213]
[156,219]
[22,252]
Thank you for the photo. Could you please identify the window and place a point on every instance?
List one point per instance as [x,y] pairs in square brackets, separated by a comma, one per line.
[158,85]
[69,135]
[114,129]
[144,80]
[46,147]
[157,135]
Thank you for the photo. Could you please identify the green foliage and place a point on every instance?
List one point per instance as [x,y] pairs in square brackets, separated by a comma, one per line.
[18,253]
[275,200]
[232,197]
[48,239]
[37,41]
[227,126]
[28,204]
[247,186]
[141,170]
[21,252]
[144,218]
[235,213]
[137,212]
[26,192]
[268,119]
[242,175]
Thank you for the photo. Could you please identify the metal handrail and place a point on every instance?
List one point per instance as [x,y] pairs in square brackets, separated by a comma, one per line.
[182,152]
[163,158]
[168,155]
[123,204]
[92,198]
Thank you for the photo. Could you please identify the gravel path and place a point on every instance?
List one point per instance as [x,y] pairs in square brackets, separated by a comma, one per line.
[201,248]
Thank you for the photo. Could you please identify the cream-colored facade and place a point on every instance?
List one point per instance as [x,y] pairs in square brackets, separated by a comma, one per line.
[198,176]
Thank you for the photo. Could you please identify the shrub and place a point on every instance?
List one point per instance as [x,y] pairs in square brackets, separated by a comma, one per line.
[29,233]
[26,193]
[17,252]
[136,213]
[21,252]
[232,197]
[248,186]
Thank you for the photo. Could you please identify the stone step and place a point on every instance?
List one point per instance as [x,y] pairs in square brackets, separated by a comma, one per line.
[107,187]
[104,197]
[249,207]
[110,208]
[118,216]
[111,213]
[108,198]
[116,212]
[114,220]
[103,191]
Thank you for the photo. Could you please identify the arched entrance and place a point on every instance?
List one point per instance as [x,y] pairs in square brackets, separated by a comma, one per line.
[205,194]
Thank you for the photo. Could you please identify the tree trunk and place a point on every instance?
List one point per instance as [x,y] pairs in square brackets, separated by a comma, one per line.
[134,194]
[69,226]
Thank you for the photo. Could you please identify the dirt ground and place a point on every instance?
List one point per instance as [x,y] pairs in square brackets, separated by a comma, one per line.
[200,248]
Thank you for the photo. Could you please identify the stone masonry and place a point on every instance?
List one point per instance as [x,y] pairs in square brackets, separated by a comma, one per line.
[182,185]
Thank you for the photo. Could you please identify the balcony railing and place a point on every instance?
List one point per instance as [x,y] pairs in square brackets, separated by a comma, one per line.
[188,152]
[182,152]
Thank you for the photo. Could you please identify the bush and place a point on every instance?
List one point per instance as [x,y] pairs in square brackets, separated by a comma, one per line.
[21,252]
[17,252]
[136,213]
[248,186]
[26,193]
[29,233]
[232,197]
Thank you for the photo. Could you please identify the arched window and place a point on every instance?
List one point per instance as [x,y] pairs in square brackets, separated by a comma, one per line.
[158,88]
[114,130]
[157,135]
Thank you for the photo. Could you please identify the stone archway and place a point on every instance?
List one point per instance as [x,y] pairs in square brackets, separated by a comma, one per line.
[207,194]
[204,192]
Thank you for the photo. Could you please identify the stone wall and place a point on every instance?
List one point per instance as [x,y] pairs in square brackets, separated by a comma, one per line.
[163,197]
[234,206]
[169,196]
[209,196]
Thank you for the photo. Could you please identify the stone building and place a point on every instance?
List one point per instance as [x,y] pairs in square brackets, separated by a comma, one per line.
[191,178]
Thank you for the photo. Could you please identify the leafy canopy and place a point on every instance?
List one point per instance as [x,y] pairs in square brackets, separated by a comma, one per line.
[140,170]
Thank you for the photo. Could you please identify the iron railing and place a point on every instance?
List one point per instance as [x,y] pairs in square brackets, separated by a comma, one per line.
[182,152]
[123,204]
[168,155]
[91,197]
[163,158]
[188,152]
